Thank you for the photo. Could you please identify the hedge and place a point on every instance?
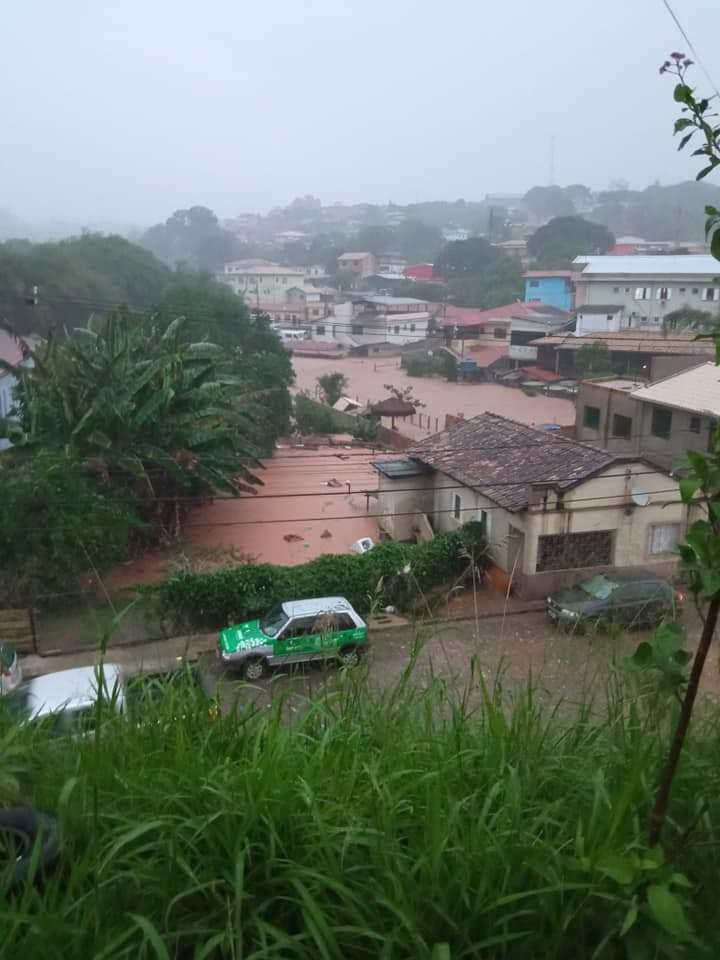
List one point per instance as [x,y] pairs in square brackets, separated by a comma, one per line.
[391,573]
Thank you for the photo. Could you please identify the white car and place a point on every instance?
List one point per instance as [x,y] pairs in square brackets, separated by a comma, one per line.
[10,669]
[70,696]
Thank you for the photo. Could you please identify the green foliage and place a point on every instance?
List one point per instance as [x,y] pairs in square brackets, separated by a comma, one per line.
[333,386]
[312,417]
[687,318]
[465,258]
[145,412]
[555,245]
[405,394]
[544,203]
[440,363]
[193,239]
[500,283]
[391,573]
[665,656]
[593,359]
[411,822]
[55,524]
[76,278]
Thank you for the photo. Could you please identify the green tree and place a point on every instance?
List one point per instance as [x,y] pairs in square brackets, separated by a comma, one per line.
[555,245]
[465,258]
[593,359]
[500,283]
[547,202]
[75,278]
[57,523]
[333,386]
[192,237]
[687,318]
[144,412]
[417,241]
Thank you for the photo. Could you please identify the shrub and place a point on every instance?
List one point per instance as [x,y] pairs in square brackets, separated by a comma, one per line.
[392,573]
[430,365]
[313,417]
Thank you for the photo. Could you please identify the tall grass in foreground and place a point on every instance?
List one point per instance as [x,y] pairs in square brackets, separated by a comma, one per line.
[401,825]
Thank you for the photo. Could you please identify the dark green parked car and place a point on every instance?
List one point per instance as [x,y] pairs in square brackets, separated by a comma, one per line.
[636,598]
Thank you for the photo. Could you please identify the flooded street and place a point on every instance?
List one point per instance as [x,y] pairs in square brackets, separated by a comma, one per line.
[366,378]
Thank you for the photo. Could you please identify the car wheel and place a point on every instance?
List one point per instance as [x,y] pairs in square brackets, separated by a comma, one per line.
[255,669]
[28,845]
[349,656]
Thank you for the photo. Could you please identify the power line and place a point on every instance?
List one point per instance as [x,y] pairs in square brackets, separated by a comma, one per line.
[411,513]
[688,41]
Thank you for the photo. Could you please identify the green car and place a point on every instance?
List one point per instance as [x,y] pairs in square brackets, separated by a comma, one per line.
[630,598]
[294,632]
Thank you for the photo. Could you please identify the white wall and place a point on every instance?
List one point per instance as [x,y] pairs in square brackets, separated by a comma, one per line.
[599,323]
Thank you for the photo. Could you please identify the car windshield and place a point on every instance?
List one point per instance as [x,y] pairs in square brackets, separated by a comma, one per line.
[273,621]
[599,587]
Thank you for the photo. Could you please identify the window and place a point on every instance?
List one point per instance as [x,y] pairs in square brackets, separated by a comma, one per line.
[661,422]
[694,424]
[681,289]
[567,551]
[695,291]
[356,329]
[591,418]
[664,293]
[300,627]
[534,283]
[710,293]
[320,330]
[642,293]
[499,333]
[396,330]
[627,289]
[457,507]
[485,522]
[621,426]
[616,289]
[663,538]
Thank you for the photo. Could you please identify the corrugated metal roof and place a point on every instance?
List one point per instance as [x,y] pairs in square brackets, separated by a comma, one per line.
[688,265]
[633,341]
[696,390]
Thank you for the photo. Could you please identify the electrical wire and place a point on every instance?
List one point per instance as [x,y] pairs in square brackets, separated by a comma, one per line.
[691,47]
[412,513]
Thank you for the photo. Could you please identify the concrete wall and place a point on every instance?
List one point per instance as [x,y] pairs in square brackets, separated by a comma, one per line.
[471,506]
[608,402]
[599,322]
[687,432]
[554,291]
[603,503]
[400,500]
[683,292]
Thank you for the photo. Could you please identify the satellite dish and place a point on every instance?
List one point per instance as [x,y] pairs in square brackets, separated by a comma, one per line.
[639,497]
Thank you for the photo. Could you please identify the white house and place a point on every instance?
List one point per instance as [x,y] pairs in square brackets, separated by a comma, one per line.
[260,281]
[368,321]
[647,288]
[600,318]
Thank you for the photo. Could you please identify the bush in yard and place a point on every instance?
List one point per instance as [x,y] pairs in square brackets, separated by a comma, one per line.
[312,417]
[392,573]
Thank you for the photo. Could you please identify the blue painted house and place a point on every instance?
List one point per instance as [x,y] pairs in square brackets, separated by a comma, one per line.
[553,287]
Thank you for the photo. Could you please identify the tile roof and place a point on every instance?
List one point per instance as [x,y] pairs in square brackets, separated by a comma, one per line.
[489,453]
[484,355]
[696,390]
[471,317]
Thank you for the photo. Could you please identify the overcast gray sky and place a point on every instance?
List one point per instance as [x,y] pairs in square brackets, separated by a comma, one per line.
[133,108]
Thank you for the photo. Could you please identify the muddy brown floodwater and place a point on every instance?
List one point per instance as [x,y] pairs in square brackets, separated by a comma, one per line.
[311,502]
[366,378]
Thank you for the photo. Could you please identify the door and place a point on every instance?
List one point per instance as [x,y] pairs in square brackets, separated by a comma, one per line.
[298,640]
